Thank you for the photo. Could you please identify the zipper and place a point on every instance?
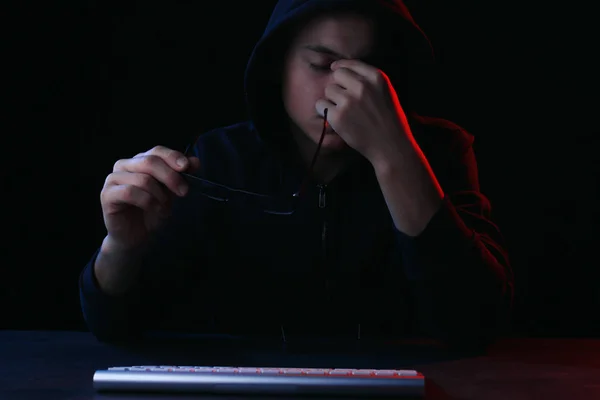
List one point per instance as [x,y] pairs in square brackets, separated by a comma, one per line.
[324,253]
[322,205]
[322,196]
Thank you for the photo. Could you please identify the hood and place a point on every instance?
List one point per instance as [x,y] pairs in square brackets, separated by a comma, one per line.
[406,65]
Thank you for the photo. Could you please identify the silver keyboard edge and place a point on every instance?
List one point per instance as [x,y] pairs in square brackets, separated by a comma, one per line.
[183,382]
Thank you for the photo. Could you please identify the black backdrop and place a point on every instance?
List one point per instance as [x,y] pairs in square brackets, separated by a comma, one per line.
[90,82]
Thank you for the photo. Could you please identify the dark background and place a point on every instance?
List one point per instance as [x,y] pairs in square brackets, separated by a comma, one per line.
[90,82]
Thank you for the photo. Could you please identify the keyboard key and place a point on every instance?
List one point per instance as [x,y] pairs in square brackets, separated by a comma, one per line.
[341,372]
[316,371]
[270,371]
[407,372]
[225,370]
[386,372]
[203,369]
[182,369]
[246,370]
[291,371]
[363,372]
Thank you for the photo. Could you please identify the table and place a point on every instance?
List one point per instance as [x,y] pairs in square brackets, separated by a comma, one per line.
[60,365]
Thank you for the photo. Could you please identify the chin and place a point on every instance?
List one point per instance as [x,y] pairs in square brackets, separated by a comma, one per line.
[332,142]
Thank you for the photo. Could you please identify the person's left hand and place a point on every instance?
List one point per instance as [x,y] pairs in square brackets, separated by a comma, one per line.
[363,108]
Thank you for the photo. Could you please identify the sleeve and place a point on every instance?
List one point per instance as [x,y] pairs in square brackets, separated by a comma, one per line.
[457,268]
[171,290]
[108,318]
[177,285]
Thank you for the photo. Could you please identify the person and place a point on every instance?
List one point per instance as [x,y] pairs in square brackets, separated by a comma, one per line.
[335,210]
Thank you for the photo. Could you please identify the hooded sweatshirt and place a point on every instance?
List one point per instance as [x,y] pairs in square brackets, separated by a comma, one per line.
[337,265]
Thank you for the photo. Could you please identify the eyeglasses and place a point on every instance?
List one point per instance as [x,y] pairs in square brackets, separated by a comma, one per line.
[270,204]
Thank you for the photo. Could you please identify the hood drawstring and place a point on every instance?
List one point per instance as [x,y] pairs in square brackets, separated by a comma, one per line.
[283,334]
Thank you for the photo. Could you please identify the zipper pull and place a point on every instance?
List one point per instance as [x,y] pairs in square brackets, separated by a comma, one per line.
[322,196]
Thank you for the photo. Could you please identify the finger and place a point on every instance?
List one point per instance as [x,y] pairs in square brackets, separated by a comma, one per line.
[194,164]
[156,167]
[336,94]
[349,80]
[115,197]
[175,159]
[323,104]
[365,70]
[143,181]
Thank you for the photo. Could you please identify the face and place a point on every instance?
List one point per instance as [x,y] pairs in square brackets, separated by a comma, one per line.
[307,70]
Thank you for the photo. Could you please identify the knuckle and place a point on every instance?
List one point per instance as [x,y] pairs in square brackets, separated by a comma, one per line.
[146,180]
[118,165]
[380,78]
[103,196]
[157,149]
[128,193]
[108,180]
[164,152]
[149,161]
[171,154]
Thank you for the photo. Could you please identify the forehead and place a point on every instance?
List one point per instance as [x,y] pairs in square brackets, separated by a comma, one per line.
[349,34]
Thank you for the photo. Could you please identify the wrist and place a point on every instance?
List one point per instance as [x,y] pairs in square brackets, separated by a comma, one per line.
[115,247]
[386,167]
[117,266]
[393,156]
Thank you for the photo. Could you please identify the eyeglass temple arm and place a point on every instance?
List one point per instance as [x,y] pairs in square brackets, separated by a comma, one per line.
[313,161]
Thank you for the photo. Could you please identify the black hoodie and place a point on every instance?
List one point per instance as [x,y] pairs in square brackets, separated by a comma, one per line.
[337,265]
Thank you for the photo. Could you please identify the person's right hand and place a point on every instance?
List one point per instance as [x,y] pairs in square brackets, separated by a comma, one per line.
[137,195]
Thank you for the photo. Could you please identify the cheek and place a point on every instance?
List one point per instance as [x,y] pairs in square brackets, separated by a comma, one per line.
[300,93]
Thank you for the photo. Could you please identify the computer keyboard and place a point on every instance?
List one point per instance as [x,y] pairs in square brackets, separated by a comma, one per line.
[245,380]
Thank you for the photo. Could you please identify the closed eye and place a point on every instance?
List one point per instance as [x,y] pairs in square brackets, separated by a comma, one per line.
[319,67]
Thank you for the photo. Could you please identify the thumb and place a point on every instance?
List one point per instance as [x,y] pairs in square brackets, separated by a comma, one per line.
[194,164]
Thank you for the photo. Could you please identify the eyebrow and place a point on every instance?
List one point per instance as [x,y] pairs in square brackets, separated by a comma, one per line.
[323,50]
[319,48]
